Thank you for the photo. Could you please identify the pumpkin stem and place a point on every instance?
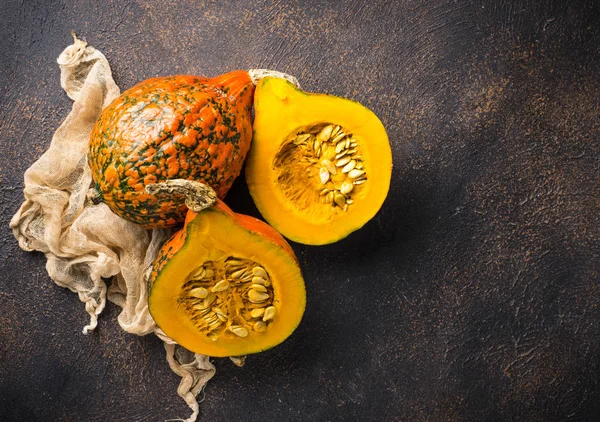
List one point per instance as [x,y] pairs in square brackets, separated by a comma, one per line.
[238,360]
[257,74]
[198,196]
[94,196]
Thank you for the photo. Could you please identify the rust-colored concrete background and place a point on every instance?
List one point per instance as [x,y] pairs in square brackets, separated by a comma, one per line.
[473,295]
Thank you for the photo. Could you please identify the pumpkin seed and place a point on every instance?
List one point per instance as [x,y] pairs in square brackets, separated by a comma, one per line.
[200,307]
[238,274]
[335,131]
[317,144]
[269,313]
[360,182]
[346,207]
[355,174]
[214,325]
[338,138]
[221,286]
[340,199]
[340,146]
[324,175]
[325,134]
[302,138]
[257,312]
[259,326]
[329,166]
[349,201]
[347,144]
[258,280]
[256,296]
[247,277]
[330,197]
[199,292]
[341,154]
[238,330]
[198,274]
[209,300]
[259,272]
[324,192]
[346,188]
[343,161]
[259,288]
[209,273]
[359,165]
[219,311]
[211,318]
[349,166]
[235,266]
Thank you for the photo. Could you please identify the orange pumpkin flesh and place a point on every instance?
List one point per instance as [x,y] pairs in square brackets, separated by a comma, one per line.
[176,127]
[214,245]
[319,167]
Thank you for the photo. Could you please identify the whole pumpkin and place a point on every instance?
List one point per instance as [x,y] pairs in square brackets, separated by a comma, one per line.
[176,127]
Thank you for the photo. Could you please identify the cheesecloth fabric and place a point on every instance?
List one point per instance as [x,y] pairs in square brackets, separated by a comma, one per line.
[86,243]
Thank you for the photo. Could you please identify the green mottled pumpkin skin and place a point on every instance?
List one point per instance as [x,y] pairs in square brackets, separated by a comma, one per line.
[177,127]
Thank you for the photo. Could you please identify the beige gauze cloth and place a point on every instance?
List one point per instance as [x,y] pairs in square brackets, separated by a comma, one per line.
[84,243]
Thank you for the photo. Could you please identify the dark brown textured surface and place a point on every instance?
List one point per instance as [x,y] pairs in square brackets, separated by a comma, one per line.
[473,295]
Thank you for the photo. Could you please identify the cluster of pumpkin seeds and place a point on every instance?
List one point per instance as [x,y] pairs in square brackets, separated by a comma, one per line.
[235,296]
[332,158]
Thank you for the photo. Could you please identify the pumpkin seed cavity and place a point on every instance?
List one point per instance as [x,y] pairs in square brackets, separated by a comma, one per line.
[233,297]
[321,164]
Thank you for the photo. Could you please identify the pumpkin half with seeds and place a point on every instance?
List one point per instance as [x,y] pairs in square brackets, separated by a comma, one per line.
[226,284]
[176,127]
[320,165]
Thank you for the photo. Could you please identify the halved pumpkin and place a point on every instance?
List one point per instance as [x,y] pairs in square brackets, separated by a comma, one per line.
[226,284]
[319,166]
